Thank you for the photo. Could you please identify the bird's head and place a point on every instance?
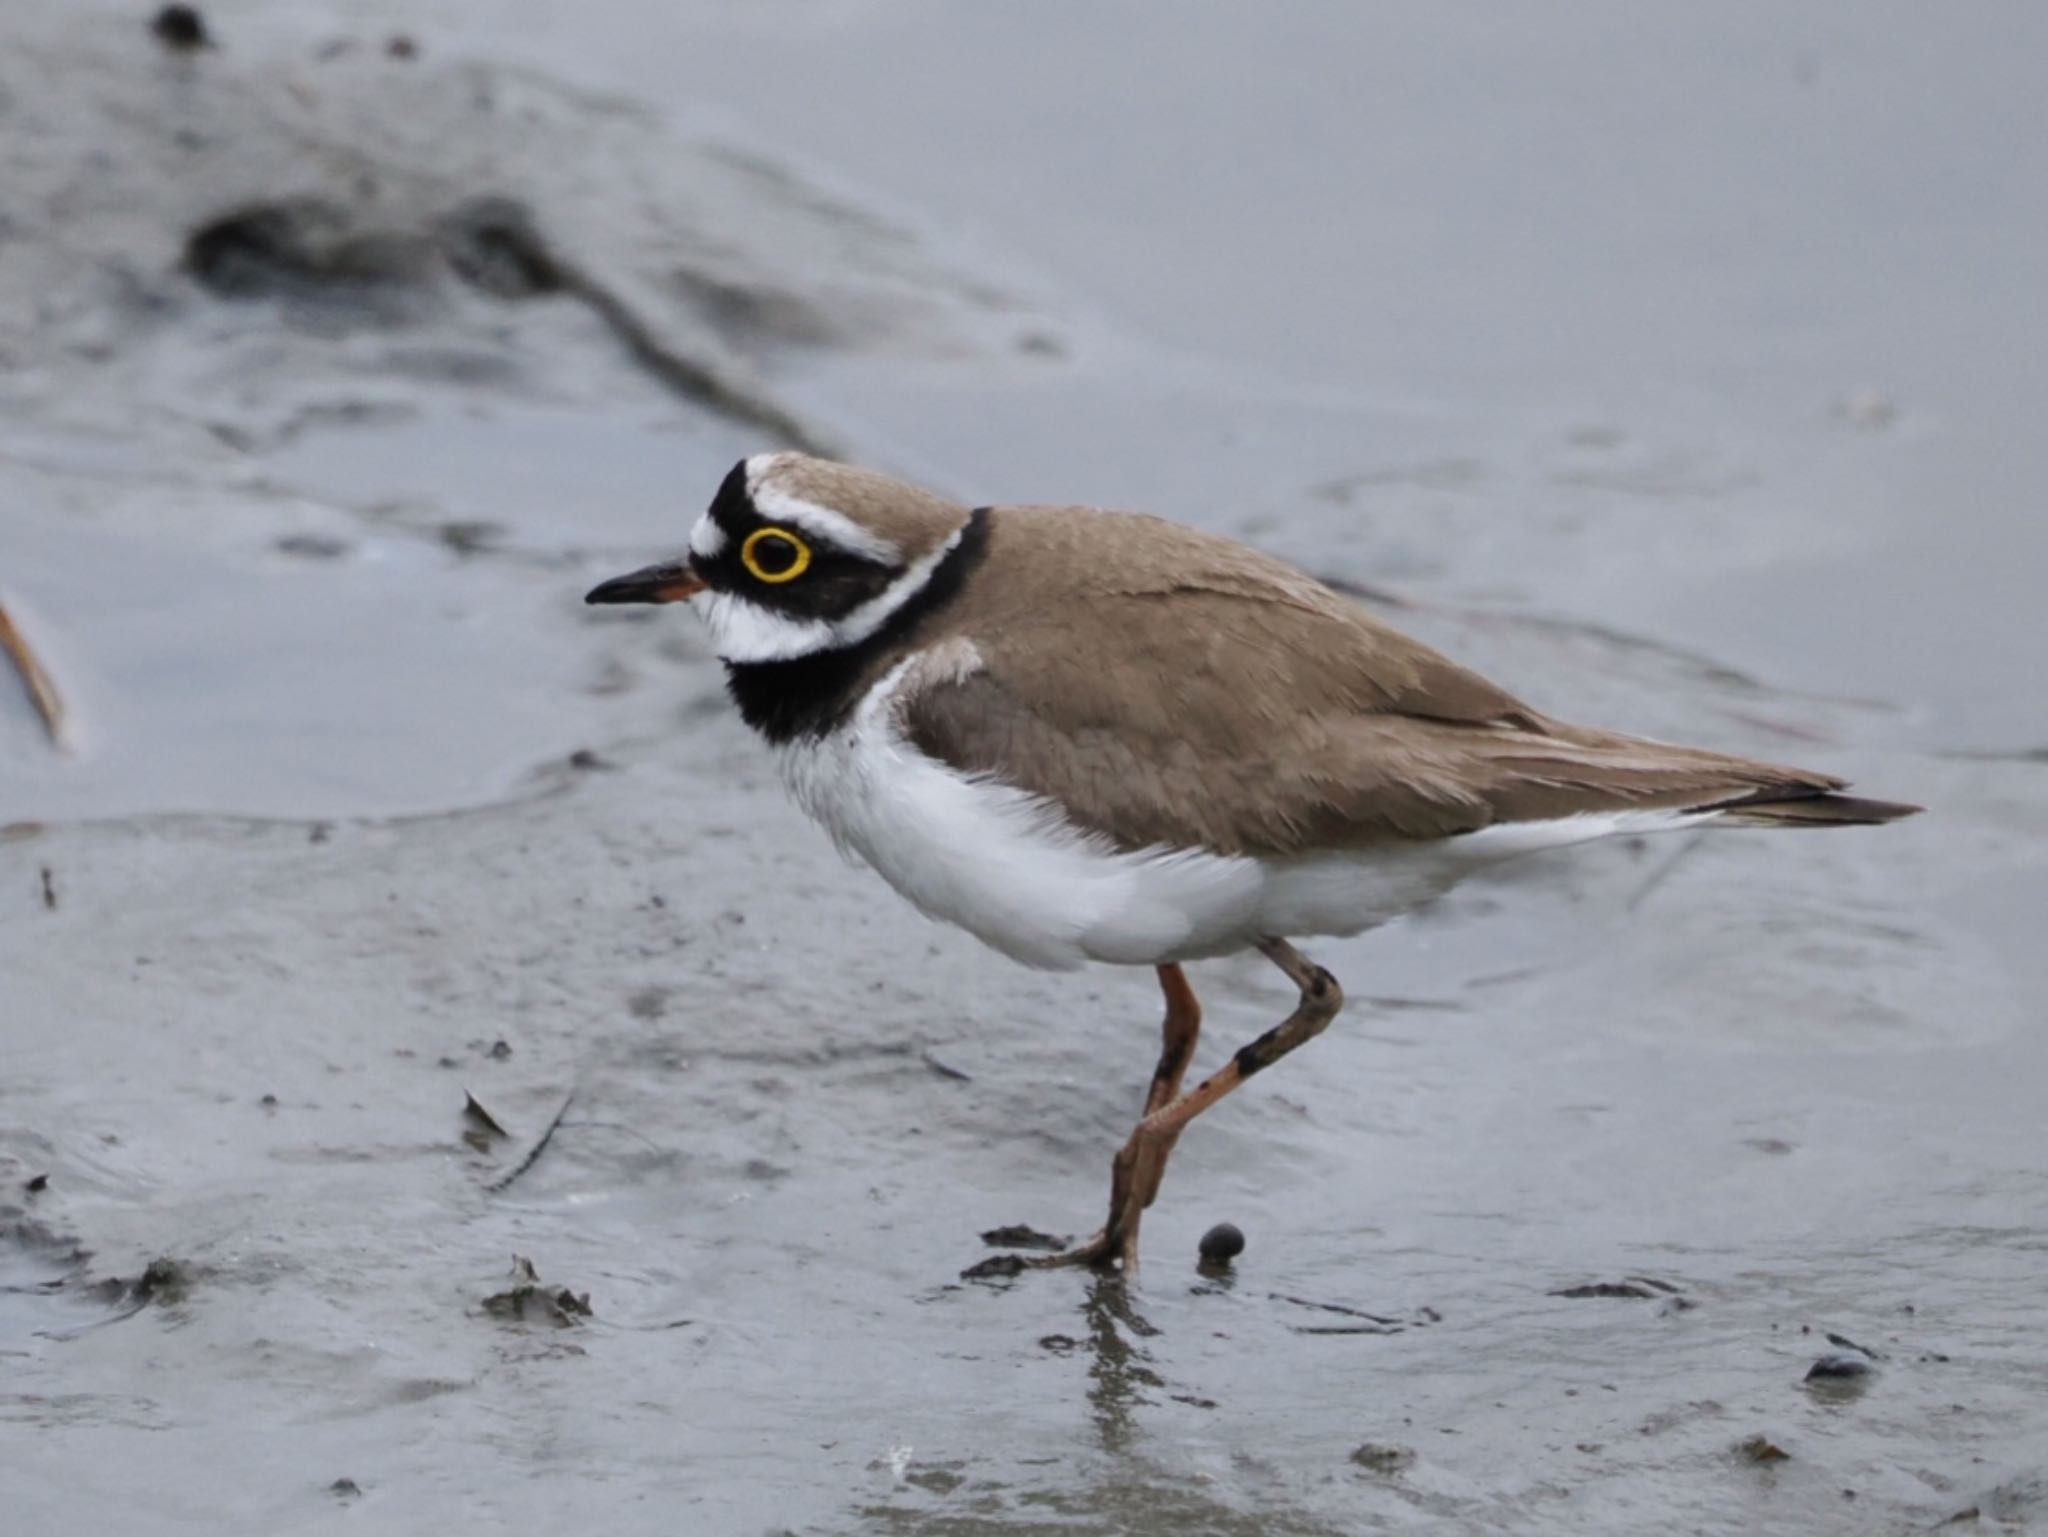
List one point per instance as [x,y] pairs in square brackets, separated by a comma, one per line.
[797,556]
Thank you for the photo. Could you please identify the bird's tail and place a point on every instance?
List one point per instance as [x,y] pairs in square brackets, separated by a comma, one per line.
[1826,810]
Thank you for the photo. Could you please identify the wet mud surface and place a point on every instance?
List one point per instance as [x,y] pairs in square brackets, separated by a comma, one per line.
[446,1086]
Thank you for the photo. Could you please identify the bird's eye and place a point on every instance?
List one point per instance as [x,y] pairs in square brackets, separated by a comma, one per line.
[775,555]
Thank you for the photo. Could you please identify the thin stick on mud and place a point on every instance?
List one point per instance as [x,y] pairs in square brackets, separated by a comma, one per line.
[35,678]
[504,1181]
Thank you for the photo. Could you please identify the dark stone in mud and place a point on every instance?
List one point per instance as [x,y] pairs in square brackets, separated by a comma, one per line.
[1839,1368]
[181,28]
[1385,1460]
[345,1489]
[36,1184]
[1018,1236]
[1222,1244]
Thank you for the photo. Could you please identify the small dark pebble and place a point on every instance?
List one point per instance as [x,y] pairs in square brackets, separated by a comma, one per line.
[1838,1368]
[1018,1236]
[268,1102]
[180,27]
[1222,1244]
[344,1488]
[500,1050]
[995,1267]
[37,1184]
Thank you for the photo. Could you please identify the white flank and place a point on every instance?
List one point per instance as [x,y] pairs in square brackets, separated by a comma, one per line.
[1011,869]
[745,631]
[834,527]
[1004,865]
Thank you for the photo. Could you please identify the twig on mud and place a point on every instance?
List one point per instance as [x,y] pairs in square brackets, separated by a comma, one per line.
[42,692]
[504,1181]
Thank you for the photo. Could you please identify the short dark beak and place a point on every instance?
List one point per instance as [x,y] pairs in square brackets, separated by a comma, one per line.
[671,582]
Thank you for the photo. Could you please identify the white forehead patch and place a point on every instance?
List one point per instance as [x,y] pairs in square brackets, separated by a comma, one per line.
[825,523]
[707,539]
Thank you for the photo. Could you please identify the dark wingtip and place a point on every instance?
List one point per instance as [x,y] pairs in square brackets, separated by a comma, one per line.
[1822,811]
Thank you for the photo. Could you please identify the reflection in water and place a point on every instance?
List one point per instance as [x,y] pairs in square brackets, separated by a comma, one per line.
[1122,1490]
[1120,1369]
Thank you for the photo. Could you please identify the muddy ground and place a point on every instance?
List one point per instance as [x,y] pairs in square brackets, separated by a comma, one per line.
[1677,369]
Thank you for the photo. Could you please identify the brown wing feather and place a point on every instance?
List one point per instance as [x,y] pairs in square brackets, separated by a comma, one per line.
[1230,703]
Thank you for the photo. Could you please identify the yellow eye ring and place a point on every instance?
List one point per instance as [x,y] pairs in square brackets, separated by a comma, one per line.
[799,556]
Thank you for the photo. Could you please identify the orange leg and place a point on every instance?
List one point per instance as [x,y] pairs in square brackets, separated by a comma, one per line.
[1141,1163]
[1181,1028]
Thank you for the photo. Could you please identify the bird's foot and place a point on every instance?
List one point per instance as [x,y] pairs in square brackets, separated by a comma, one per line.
[1102,1252]
[1133,1182]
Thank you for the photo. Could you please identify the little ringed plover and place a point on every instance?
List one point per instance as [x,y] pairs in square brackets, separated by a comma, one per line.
[1097,736]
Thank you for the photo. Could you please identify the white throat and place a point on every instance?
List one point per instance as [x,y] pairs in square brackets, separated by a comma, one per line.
[745,631]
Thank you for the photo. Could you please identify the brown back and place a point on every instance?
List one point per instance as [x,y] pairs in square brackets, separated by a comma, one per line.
[1173,688]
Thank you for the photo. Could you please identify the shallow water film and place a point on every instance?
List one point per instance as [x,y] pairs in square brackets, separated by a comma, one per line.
[445,1086]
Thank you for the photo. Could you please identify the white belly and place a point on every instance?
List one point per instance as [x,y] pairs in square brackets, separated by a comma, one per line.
[1009,867]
